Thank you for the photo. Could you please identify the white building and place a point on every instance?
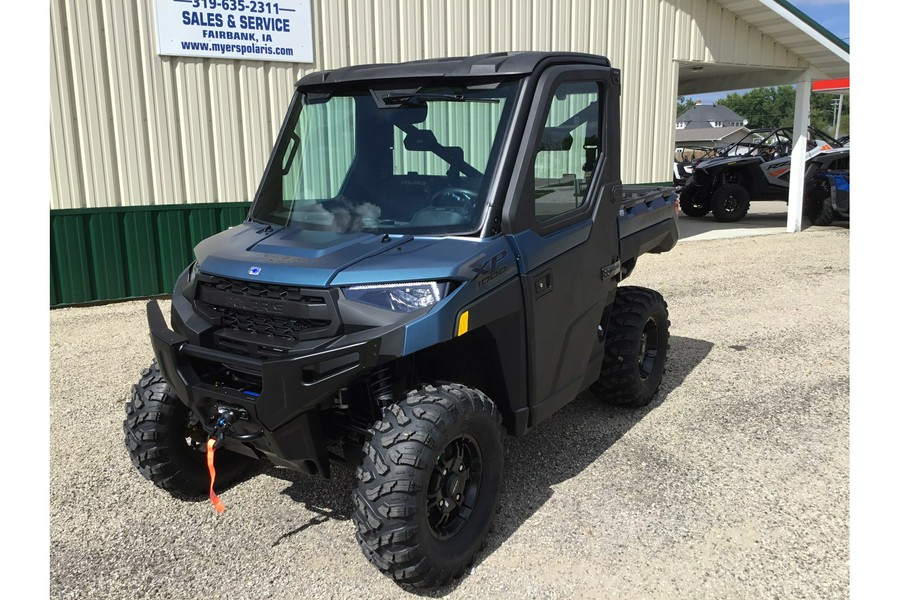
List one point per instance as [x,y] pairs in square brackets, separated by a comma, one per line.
[150,153]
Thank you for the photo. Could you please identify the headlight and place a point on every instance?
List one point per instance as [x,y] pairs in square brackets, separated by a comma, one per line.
[400,297]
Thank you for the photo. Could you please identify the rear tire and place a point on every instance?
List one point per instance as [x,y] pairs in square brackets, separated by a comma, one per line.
[818,205]
[428,485]
[691,202]
[730,202]
[637,346]
[166,443]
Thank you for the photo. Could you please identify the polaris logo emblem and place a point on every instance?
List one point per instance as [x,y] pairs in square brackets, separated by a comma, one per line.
[254,270]
[260,306]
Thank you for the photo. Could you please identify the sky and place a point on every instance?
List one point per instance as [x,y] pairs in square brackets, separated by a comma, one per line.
[834,15]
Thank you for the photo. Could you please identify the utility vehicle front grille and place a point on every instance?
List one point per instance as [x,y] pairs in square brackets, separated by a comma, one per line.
[279,313]
[268,325]
[256,289]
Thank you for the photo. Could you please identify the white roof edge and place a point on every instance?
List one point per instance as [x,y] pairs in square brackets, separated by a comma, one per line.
[806,28]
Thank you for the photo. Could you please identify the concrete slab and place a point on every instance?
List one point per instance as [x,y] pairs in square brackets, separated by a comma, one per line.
[764,218]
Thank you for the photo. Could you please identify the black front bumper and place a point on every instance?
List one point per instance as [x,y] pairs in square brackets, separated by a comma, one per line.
[282,418]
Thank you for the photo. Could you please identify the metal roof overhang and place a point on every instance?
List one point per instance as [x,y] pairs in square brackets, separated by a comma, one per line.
[828,57]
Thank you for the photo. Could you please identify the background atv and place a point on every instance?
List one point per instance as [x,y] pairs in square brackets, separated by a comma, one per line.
[828,195]
[758,167]
[686,156]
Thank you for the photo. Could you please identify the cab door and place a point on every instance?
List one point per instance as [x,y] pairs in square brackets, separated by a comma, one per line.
[561,214]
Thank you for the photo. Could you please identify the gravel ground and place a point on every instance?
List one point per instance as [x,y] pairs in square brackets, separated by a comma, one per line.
[733,483]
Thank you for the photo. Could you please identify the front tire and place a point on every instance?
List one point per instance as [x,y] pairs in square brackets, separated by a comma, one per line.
[429,484]
[637,346]
[166,444]
[691,201]
[730,202]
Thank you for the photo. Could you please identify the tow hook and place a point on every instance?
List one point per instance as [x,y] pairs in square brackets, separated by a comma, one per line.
[225,420]
[221,422]
[225,417]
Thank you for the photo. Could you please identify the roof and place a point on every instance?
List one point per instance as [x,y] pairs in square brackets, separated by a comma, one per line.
[702,114]
[711,134]
[498,63]
[819,51]
[796,31]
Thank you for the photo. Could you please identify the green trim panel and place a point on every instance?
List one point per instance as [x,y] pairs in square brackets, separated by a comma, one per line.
[128,252]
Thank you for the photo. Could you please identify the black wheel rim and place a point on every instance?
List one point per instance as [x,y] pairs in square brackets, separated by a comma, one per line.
[731,203]
[649,348]
[454,487]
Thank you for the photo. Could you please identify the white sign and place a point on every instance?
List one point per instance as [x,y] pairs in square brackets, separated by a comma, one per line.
[241,29]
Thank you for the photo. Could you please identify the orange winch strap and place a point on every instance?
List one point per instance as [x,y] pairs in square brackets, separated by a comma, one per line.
[210,457]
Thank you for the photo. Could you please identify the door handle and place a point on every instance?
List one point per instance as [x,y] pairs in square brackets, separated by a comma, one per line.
[543,283]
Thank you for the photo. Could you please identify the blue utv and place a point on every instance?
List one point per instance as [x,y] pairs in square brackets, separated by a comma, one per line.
[432,262]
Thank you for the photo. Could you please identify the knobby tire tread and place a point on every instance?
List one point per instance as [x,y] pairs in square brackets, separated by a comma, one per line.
[395,461]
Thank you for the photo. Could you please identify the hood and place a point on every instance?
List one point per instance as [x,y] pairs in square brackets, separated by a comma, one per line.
[271,254]
[711,163]
[288,256]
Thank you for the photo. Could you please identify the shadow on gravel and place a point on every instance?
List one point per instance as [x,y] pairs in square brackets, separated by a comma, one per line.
[837,224]
[327,498]
[535,462]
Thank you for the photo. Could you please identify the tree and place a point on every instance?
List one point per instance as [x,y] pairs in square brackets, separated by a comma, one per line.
[764,107]
[823,111]
[774,107]
[683,105]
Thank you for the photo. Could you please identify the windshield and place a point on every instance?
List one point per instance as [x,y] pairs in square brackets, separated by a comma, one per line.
[416,160]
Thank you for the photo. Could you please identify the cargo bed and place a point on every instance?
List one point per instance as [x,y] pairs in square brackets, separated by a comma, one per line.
[647,220]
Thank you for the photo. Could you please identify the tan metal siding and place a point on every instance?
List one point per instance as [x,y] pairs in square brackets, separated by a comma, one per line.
[192,91]
[130,135]
[255,124]
[93,112]
[66,186]
[728,32]
[129,127]
[162,117]
[708,32]
[741,38]
[667,79]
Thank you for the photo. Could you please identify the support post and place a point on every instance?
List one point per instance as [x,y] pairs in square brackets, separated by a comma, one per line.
[837,128]
[798,154]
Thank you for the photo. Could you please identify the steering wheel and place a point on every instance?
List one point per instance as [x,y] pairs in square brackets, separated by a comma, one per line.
[449,206]
[782,149]
[456,198]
